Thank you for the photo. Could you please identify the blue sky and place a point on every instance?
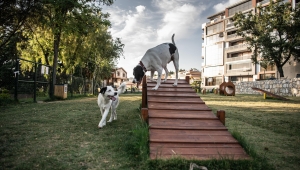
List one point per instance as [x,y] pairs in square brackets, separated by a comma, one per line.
[143,24]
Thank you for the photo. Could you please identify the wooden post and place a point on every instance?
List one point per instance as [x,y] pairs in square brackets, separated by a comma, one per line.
[221,116]
[187,79]
[265,95]
[144,114]
[144,93]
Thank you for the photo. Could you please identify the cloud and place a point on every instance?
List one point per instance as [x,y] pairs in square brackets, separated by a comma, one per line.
[221,6]
[140,8]
[182,20]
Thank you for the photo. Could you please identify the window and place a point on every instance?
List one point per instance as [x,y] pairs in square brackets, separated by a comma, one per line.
[214,54]
[118,73]
[215,28]
[124,75]
[240,8]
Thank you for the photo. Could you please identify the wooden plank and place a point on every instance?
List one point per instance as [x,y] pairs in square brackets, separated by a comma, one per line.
[167,85]
[194,145]
[198,151]
[192,139]
[269,93]
[169,81]
[185,124]
[199,157]
[176,106]
[167,99]
[172,94]
[189,114]
[173,89]
[179,133]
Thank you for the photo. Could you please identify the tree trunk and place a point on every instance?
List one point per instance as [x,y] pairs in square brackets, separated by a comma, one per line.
[56,50]
[280,70]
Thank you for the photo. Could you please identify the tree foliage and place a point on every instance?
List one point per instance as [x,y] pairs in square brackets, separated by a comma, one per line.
[70,35]
[272,32]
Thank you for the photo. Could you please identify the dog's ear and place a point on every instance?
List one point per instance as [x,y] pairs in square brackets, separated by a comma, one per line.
[103,90]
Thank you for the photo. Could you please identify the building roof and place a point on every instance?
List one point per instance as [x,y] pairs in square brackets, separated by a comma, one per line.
[214,15]
[120,68]
[238,3]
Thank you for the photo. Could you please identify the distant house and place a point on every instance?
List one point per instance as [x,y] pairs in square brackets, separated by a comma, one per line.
[194,75]
[118,75]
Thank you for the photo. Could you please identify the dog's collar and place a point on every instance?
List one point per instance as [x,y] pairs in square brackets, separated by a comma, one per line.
[142,65]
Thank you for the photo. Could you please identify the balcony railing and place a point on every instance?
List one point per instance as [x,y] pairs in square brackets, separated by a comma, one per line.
[263,2]
[236,47]
[229,25]
[233,36]
[238,58]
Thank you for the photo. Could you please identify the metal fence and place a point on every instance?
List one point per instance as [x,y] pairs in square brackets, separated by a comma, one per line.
[33,82]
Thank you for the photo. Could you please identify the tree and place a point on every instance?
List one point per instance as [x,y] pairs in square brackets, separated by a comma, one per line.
[273,33]
[57,15]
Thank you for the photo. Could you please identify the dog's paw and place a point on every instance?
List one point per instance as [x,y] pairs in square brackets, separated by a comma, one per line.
[154,88]
[174,84]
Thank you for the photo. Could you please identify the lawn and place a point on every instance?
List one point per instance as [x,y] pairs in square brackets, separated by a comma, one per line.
[64,134]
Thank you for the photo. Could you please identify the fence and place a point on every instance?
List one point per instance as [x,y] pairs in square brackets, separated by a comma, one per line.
[31,83]
[34,83]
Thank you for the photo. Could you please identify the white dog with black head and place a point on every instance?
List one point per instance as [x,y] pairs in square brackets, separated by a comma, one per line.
[156,59]
[109,98]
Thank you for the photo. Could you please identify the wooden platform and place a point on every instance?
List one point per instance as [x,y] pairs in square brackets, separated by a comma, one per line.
[269,93]
[181,124]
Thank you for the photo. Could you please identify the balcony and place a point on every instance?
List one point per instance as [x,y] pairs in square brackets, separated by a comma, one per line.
[242,71]
[229,26]
[242,47]
[262,2]
[238,58]
[233,37]
[202,35]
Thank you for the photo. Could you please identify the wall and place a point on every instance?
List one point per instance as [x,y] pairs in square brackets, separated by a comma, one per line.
[282,87]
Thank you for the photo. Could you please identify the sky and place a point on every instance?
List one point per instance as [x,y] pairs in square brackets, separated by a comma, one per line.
[144,24]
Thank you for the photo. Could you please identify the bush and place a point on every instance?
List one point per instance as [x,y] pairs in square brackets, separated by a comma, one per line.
[5,97]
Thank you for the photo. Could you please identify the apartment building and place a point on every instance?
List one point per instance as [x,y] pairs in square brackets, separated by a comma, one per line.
[226,56]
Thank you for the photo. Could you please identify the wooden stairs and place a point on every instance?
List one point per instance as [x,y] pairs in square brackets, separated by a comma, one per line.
[181,125]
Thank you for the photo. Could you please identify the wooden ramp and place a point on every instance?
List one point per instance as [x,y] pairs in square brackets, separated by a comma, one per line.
[269,93]
[180,124]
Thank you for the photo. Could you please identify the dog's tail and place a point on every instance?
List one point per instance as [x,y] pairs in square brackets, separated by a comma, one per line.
[173,39]
[122,88]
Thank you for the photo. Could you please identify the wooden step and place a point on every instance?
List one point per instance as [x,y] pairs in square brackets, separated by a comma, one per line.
[176,106]
[198,157]
[193,139]
[173,89]
[184,124]
[179,114]
[172,94]
[168,99]
[197,151]
[193,145]
[169,81]
[168,85]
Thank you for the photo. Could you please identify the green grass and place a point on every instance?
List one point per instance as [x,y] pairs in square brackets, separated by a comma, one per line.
[64,135]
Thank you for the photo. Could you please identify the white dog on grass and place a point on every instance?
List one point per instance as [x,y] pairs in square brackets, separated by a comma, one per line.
[109,98]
